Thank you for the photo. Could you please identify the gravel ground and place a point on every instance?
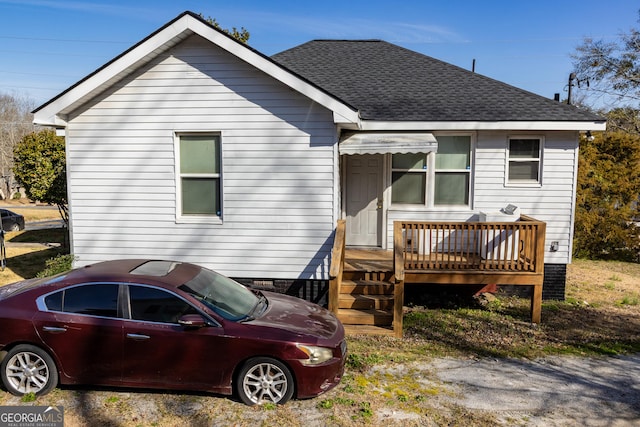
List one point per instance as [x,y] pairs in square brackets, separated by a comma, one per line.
[553,391]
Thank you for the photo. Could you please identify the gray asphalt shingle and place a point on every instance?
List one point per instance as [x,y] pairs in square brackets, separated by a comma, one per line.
[387,82]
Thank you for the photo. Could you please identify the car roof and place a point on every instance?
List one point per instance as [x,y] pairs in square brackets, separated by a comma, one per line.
[170,273]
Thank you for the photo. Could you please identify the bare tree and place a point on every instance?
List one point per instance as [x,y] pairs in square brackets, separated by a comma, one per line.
[611,68]
[16,121]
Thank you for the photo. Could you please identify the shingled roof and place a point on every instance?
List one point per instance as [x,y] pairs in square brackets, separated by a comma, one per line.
[386,82]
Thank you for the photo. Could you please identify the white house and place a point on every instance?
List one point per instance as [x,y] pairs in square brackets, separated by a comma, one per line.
[193,146]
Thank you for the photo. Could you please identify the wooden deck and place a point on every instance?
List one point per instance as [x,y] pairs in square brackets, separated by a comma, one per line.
[367,284]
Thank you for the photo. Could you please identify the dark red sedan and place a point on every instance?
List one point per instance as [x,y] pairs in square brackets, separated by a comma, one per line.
[169,325]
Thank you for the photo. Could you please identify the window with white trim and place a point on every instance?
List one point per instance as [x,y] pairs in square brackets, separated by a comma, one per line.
[434,179]
[452,171]
[409,178]
[200,189]
[524,160]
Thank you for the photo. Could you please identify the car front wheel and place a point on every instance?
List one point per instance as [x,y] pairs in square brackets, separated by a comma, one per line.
[28,369]
[15,227]
[262,380]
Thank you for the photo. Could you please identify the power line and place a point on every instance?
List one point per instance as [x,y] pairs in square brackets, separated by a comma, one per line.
[64,40]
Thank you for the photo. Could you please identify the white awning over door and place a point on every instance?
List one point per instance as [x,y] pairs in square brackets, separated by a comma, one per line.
[388,143]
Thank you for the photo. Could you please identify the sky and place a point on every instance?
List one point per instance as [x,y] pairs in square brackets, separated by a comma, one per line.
[47,46]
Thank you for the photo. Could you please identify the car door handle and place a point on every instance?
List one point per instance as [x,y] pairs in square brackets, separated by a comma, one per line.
[138,337]
[54,329]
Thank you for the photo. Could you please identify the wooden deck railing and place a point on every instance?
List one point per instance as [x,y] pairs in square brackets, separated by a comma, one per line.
[337,265]
[510,253]
[479,246]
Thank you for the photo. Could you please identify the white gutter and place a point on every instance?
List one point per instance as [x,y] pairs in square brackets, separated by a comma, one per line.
[477,125]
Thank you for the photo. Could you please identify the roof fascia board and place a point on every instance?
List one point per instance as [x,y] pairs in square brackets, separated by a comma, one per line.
[50,114]
[478,125]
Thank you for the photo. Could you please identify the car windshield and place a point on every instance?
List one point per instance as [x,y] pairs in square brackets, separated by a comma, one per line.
[226,297]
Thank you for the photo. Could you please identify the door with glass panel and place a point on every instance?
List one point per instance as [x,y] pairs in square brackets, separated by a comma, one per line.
[363,204]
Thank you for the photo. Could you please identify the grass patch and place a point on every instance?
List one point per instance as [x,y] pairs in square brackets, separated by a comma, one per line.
[48,235]
[33,250]
[600,317]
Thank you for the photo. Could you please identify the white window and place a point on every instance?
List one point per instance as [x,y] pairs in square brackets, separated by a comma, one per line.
[524,160]
[434,179]
[453,171]
[409,178]
[199,176]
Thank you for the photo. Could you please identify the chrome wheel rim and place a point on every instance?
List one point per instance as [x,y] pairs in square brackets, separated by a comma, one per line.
[27,372]
[265,382]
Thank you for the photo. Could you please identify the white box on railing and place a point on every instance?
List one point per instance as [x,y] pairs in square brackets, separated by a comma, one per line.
[498,245]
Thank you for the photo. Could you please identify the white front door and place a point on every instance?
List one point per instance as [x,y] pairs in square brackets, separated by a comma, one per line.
[363,204]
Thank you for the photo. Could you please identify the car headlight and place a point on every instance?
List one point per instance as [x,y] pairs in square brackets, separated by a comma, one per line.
[317,355]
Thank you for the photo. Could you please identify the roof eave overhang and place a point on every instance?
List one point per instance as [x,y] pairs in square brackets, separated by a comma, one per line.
[54,112]
[367,125]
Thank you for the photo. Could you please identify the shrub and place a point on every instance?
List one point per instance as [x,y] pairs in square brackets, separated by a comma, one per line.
[59,264]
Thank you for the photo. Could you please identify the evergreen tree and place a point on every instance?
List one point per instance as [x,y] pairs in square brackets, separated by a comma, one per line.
[40,166]
[607,197]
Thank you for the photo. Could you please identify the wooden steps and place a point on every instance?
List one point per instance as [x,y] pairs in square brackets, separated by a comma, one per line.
[366,303]
[353,330]
[363,293]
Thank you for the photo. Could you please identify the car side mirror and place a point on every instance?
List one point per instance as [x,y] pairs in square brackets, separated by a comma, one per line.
[192,321]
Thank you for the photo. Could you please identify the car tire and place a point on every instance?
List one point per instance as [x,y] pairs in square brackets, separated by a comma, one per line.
[28,369]
[15,227]
[264,380]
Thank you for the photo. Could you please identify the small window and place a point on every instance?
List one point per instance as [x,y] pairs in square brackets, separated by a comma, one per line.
[156,305]
[94,300]
[200,175]
[524,160]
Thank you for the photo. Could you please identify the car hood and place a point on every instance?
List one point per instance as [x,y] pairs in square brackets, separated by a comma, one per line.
[299,317]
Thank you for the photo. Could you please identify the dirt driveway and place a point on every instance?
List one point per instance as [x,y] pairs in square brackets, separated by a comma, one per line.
[554,391]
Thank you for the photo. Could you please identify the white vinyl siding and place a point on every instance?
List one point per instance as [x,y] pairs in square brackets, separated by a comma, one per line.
[553,202]
[277,164]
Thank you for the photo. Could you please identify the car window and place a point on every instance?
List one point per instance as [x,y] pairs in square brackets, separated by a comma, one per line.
[157,305]
[54,301]
[223,295]
[95,300]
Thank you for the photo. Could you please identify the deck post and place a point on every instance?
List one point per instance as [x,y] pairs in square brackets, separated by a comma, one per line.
[337,266]
[536,304]
[398,270]
[398,304]
[536,297]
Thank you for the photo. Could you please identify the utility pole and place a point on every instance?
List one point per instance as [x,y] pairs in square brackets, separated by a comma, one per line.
[572,77]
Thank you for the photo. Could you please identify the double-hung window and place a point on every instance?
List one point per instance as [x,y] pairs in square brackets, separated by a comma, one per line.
[409,178]
[434,179]
[524,160]
[200,178]
[453,171]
